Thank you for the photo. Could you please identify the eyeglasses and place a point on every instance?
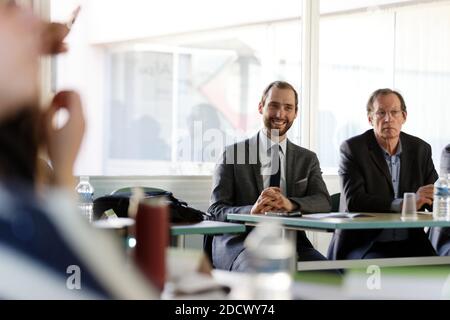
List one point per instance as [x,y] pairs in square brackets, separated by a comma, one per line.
[392,113]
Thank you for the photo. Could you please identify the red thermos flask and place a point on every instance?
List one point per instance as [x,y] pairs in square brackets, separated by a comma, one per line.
[152,239]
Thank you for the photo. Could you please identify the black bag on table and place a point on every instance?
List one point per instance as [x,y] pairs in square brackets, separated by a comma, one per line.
[179,210]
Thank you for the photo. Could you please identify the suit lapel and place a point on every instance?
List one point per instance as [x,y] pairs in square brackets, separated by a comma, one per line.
[405,166]
[291,162]
[256,168]
[376,155]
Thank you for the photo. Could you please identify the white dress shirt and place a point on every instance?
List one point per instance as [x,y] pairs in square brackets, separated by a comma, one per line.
[265,145]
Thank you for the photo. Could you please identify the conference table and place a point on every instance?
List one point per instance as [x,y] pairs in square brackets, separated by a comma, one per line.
[350,221]
[177,230]
[180,230]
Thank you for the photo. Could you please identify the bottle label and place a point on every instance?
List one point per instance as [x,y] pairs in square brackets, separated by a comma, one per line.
[86,197]
[441,191]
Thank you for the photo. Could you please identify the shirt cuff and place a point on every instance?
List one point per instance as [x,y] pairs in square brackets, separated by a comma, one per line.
[396,205]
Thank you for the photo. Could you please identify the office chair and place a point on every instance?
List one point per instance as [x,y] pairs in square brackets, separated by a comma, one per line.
[335,200]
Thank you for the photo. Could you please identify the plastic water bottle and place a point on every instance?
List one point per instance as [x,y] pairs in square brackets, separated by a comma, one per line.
[85,193]
[272,260]
[441,202]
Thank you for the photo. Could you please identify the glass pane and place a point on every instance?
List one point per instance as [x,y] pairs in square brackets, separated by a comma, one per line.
[385,45]
[165,91]
[140,125]
[422,72]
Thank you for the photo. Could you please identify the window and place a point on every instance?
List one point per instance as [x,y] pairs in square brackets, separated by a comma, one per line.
[402,45]
[164,97]
[163,90]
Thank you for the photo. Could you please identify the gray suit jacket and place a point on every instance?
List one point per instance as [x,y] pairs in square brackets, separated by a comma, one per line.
[238,183]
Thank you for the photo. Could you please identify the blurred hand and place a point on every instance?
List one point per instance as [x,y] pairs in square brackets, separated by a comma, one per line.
[424,195]
[54,33]
[64,143]
[52,37]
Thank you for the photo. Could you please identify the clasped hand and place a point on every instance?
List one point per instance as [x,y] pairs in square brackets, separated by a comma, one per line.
[271,199]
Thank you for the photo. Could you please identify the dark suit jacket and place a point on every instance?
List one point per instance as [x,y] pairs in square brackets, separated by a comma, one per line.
[366,186]
[238,183]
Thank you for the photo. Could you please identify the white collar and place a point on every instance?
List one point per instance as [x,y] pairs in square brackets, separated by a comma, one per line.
[266,143]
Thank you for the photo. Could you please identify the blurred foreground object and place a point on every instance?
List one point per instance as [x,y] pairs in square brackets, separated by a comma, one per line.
[19,59]
[272,258]
[152,239]
[48,251]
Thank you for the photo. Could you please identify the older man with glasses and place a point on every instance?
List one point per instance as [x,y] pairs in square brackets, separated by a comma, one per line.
[376,168]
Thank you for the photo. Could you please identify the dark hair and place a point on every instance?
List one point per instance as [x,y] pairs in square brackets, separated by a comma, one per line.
[19,143]
[384,92]
[279,85]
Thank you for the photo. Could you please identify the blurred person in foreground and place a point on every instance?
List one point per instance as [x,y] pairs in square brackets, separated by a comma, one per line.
[47,249]
[25,37]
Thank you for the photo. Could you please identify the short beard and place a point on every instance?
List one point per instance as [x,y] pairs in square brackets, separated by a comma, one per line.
[282,132]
